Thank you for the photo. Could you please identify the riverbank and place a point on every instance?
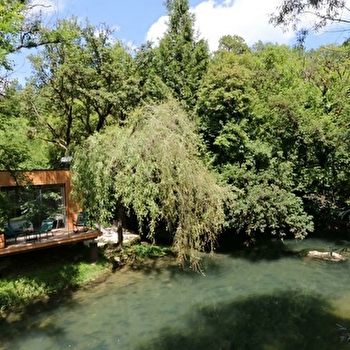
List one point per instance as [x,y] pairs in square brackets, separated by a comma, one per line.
[35,277]
[30,277]
[271,291]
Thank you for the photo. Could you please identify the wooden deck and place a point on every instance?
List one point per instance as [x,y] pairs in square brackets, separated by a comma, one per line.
[59,237]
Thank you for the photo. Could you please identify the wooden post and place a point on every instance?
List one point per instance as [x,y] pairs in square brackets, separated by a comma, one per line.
[120,224]
[93,252]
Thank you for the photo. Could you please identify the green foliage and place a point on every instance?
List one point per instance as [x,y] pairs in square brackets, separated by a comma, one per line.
[153,89]
[224,101]
[151,166]
[37,285]
[17,150]
[25,283]
[81,83]
[21,28]
[274,122]
[4,209]
[181,59]
[141,252]
[248,113]
[233,43]
[11,21]
[264,208]
[36,208]
[13,146]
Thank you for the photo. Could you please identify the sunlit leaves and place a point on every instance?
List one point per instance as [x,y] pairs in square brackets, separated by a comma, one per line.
[80,84]
[11,20]
[153,168]
[181,59]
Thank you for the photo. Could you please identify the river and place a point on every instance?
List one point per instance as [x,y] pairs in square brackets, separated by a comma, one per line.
[267,297]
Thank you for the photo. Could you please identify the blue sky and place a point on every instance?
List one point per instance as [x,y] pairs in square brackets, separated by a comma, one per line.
[136,21]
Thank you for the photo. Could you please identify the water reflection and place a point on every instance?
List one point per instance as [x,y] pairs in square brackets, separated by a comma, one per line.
[270,297]
[282,320]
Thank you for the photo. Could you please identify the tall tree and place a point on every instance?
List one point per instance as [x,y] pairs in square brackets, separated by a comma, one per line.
[80,85]
[21,27]
[153,89]
[326,129]
[13,151]
[240,133]
[276,120]
[233,43]
[11,23]
[151,166]
[181,59]
[17,152]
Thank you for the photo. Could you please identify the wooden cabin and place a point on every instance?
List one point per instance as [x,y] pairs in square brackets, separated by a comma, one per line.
[41,182]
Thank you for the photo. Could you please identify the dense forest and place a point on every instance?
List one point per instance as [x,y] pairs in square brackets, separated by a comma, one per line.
[247,140]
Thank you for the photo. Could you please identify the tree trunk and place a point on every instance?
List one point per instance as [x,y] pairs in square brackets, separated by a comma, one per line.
[120,224]
[120,233]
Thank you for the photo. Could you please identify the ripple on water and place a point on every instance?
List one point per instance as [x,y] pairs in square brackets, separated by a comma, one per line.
[253,301]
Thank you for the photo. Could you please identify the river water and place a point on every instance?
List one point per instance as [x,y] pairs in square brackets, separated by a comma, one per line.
[267,297]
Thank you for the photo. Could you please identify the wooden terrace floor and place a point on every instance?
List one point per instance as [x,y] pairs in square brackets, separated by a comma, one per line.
[59,237]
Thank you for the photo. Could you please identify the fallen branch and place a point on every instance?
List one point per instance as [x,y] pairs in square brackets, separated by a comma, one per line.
[330,256]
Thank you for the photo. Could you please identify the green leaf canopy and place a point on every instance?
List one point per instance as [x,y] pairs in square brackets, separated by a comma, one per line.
[152,166]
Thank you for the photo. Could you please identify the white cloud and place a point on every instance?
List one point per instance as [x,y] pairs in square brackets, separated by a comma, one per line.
[157,30]
[247,18]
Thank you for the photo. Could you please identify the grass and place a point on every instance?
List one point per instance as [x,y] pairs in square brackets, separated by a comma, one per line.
[32,277]
[148,251]
[35,276]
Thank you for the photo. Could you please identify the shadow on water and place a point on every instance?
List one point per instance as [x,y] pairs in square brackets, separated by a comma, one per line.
[283,321]
[18,323]
[265,249]
[51,268]
[270,248]
[20,329]
[169,265]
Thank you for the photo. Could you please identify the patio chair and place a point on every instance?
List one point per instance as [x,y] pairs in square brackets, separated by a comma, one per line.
[12,233]
[80,222]
[45,228]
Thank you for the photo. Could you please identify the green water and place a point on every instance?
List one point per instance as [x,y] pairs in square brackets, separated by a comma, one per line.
[269,297]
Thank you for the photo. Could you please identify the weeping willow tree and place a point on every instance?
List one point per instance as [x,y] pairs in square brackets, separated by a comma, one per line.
[152,167]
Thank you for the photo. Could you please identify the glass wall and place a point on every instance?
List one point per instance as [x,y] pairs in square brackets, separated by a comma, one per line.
[29,206]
